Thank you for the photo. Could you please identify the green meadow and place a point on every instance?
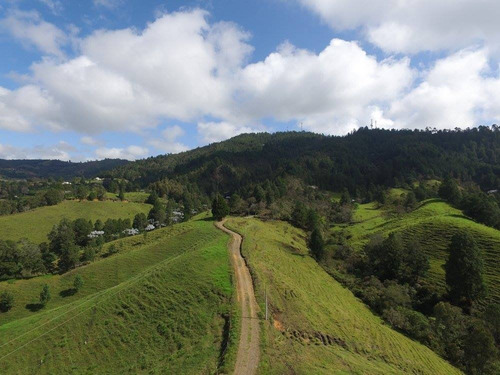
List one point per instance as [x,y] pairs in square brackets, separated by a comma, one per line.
[160,305]
[316,325]
[36,224]
[133,196]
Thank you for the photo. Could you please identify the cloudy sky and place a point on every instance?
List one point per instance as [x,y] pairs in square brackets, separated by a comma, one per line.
[93,79]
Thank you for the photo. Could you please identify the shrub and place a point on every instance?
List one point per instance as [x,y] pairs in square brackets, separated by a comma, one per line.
[45,295]
[6,301]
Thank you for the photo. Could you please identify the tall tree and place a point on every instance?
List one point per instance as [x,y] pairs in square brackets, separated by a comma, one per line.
[82,229]
[317,244]
[140,221]
[449,191]
[69,258]
[480,350]
[61,236]
[158,212]
[220,208]
[464,269]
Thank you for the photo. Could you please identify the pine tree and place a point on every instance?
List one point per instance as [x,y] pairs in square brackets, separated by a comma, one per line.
[464,269]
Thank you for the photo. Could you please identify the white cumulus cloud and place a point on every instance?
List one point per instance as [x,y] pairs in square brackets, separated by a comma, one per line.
[330,92]
[456,92]
[416,25]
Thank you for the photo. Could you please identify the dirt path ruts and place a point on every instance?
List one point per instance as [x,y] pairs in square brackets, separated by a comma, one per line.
[247,358]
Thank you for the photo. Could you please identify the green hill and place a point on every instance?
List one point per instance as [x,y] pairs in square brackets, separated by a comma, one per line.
[317,326]
[432,224]
[36,224]
[158,306]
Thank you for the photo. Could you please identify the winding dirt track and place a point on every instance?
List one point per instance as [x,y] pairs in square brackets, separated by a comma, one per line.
[247,358]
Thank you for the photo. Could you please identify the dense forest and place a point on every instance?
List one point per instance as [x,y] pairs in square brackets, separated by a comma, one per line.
[25,169]
[360,161]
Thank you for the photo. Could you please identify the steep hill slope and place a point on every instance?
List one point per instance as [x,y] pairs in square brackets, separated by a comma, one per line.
[317,326]
[36,224]
[158,306]
[432,224]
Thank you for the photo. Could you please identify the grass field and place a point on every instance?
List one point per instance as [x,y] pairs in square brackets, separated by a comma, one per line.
[317,326]
[432,224]
[158,306]
[36,224]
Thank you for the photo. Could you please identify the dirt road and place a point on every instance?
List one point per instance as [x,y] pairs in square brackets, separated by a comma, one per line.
[247,358]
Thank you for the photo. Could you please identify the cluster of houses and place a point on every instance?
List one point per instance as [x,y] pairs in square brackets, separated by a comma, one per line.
[127,232]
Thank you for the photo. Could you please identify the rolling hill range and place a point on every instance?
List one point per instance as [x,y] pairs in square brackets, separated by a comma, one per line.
[355,161]
[161,305]
[36,224]
[431,224]
[317,326]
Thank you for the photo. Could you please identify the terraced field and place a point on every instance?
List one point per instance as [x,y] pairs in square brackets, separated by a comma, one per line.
[160,305]
[432,224]
[36,224]
[316,325]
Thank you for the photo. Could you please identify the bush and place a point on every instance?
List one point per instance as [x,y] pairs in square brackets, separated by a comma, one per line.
[88,254]
[78,283]
[6,301]
[112,249]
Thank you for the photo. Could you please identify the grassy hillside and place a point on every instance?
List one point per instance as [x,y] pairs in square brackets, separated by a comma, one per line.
[158,306]
[36,224]
[432,224]
[319,327]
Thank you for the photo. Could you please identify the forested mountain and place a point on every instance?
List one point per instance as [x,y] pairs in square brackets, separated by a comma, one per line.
[24,169]
[359,161]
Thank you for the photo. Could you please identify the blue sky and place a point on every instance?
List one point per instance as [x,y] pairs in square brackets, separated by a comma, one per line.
[91,79]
